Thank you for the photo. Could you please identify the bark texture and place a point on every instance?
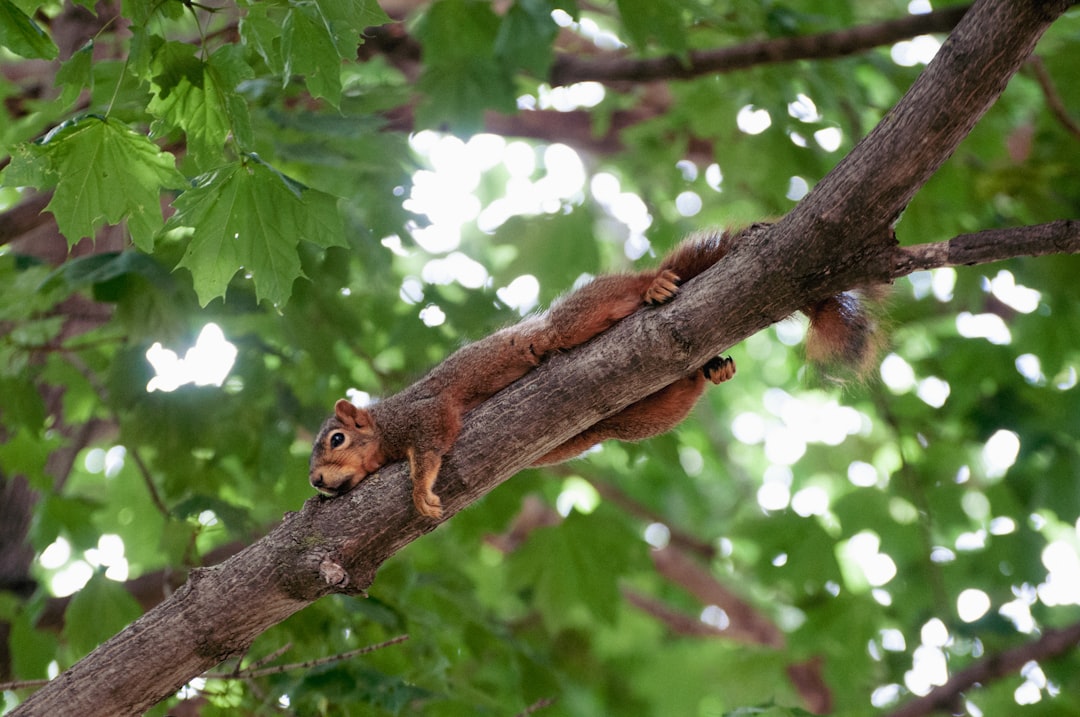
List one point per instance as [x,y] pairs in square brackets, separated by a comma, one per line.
[838,237]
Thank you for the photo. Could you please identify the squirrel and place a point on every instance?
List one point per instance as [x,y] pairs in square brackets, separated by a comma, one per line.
[421,423]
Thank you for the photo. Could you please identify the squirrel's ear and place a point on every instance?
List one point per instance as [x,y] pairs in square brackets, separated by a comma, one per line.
[350,415]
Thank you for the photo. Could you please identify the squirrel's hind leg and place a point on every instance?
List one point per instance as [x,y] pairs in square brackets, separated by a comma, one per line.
[651,416]
[424,469]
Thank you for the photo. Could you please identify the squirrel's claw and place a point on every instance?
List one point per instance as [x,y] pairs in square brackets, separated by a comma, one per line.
[428,504]
[663,289]
[719,369]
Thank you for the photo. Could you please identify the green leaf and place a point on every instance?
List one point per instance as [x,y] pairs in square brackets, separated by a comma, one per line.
[661,20]
[20,34]
[103,173]
[318,61]
[23,405]
[76,74]
[31,650]
[236,519]
[200,97]
[526,35]
[248,216]
[25,453]
[550,246]
[80,272]
[72,517]
[578,564]
[461,75]
[310,39]
[102,608]
[31,166]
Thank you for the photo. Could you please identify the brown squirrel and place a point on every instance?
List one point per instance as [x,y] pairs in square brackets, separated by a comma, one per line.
[422,422]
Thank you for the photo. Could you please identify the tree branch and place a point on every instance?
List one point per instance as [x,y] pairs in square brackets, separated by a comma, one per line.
[256,671]
[848,216]
[568,68]
[748,624]
[1060,237]
[948,697]
[1053,98]
[536,706]
[838,237]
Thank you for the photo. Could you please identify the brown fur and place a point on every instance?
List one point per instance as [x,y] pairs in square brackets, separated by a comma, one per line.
[651,416]
[844,332]
[421,423]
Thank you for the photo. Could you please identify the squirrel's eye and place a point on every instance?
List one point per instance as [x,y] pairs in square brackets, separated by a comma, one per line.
[337,439]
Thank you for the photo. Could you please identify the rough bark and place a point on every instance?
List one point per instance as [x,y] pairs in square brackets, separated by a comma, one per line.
[838,237]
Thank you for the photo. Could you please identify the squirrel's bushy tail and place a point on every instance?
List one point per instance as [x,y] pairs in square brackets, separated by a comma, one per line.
[844,331]
[698,252]
[844,334]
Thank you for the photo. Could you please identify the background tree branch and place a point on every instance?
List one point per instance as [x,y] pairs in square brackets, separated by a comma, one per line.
[612,68]
[949,697]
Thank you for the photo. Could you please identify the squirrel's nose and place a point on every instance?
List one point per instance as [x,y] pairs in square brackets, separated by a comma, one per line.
[317,480]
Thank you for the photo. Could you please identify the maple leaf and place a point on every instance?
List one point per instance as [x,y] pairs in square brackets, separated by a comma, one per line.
[103,173]
[248,216]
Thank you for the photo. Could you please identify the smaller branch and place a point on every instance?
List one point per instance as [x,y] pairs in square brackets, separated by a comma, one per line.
[22,684]
[536,706]
[251,674]
[535,513]
[679,538]
[1053,99]
[155,497]
[1060,237]
[679,623]
[568,68]
[747,624]
[267,658]
[988,669]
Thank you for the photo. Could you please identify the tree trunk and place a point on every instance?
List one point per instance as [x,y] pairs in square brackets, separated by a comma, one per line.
[838,237]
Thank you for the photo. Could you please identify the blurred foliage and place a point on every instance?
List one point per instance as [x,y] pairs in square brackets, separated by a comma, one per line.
[293,212]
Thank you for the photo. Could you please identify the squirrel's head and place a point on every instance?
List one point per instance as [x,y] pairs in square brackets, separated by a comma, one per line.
[346,450]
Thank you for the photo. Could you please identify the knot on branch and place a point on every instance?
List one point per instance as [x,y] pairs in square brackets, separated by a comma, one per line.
[332,573]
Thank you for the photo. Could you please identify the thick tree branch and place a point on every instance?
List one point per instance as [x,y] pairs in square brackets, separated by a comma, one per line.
[838,237]
[568,69]
[847,215]
[948,698]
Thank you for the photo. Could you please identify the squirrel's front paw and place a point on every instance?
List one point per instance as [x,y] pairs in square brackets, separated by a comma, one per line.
[428,504]
[663,288]
[719,369]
